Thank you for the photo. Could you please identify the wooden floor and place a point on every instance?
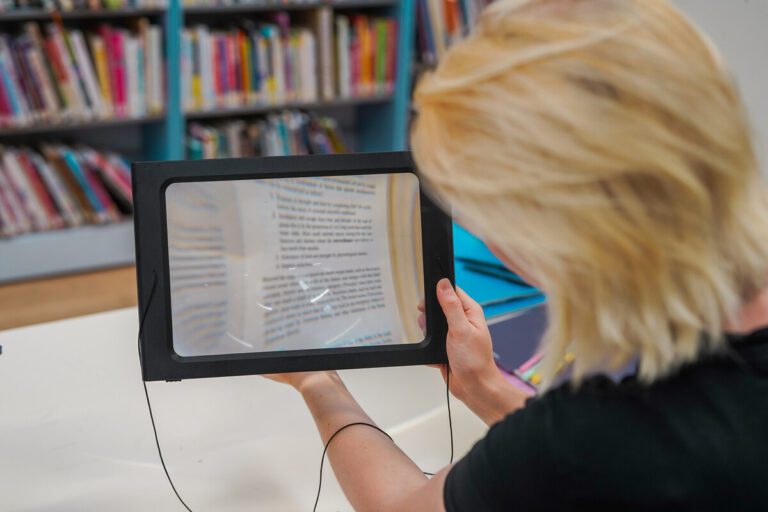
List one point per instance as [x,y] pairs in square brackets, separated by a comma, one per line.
[32,302]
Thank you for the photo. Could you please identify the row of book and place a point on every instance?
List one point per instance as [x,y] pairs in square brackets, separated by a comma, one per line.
[281,62]
[51,74]
[440,23]
[366,55]
[249,64]
[77,5]
[59,186]
[288,133]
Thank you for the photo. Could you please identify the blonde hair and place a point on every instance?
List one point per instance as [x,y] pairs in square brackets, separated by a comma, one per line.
[602,144]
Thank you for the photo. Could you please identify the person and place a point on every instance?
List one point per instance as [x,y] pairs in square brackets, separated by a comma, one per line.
[601,150]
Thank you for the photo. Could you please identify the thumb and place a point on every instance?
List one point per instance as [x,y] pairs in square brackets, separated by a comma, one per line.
[452,307]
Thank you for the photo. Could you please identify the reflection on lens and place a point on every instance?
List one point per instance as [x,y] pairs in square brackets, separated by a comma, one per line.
[294,263]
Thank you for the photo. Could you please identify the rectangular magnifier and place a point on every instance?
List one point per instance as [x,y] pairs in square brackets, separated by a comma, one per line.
[282,264]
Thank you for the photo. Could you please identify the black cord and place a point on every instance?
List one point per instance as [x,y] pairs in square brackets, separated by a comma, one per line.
[328,443]
[146,394]
[448,404]
[325,449]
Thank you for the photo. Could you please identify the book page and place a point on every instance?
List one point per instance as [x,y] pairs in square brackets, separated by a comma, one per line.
[294,263]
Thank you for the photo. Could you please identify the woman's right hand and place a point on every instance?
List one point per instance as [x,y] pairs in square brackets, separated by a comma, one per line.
[474,377]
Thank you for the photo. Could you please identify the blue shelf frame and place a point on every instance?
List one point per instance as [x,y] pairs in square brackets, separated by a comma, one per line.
[381,125]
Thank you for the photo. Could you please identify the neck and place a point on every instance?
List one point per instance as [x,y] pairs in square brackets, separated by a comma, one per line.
[751,316]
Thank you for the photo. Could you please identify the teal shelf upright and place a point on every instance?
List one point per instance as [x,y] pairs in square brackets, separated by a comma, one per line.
[385,127]
[402,100]
[165,140]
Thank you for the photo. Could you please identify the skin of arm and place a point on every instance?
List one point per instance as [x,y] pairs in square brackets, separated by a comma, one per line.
[373,472]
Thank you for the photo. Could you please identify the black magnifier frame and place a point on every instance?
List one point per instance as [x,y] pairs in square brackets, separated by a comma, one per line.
[158,358]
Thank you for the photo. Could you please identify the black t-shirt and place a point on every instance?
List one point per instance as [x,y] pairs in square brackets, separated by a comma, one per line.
[695,441]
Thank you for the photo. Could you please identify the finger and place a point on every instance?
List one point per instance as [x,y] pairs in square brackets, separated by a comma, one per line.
[452,307]
[472,309]
[422,320]
[421,306]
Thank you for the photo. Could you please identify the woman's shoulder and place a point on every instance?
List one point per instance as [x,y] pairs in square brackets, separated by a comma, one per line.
[622,432]
[550,440]
[619,421]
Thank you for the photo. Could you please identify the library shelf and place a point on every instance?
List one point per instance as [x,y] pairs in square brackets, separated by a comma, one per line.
[264,108]
[61,251]
[56,127]
[31,14]
[381,125]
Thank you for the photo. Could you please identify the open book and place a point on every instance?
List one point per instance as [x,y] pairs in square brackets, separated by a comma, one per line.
[294,263]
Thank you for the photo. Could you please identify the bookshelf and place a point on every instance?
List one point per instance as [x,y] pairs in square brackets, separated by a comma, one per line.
[379,124]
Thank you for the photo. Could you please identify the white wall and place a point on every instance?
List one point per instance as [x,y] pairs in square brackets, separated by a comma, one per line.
[740,29]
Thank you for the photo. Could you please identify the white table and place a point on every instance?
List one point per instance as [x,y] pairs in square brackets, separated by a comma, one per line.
[75,433]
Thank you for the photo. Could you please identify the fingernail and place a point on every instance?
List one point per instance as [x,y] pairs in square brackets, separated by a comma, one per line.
[444,286]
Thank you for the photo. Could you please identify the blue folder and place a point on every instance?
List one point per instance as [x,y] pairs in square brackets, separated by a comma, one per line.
[487,289]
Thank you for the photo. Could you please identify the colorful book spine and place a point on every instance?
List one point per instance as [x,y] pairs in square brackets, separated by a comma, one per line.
[99,52]
[5,106]
[65,203]
[41,192]
[246,61]
[19,182]
[343,77]
[286,133]
[154,69]
[325,49]
[262,64]
[222,75]
[118,66]
[233,88]
[365,54]
[354,62]
[132,79]
[82,181]
[380,55]
[15,219]
[109,208]
[31,89]
[86,107]
[17,103]
[41,69]
[85,64]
